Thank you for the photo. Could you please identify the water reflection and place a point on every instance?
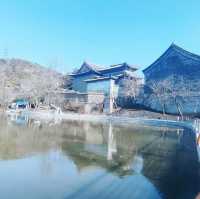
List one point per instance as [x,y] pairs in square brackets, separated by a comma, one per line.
[94,160]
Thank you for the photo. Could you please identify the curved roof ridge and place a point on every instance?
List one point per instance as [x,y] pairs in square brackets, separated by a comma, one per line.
[91,64]
[178,49]
[119,65]
[166,51]
[185,52]
[91,67]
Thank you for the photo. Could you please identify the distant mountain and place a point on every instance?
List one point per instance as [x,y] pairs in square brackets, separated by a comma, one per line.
[21,78]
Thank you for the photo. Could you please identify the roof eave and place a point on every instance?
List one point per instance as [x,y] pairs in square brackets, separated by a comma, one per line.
[179,50]
[99,79]
[86,73]
[150,66]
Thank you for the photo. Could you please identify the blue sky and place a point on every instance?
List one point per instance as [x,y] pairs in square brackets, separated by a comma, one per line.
[64,33]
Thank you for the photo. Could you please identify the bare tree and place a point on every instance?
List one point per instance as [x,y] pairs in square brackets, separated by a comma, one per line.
[28,80]
[177,93]
[129,87]
[168,89]
[159,89]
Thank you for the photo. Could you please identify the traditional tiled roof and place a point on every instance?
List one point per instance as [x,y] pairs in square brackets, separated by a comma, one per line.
[177,51]
[100,79]
[92,68]
[122,64]
[87,68]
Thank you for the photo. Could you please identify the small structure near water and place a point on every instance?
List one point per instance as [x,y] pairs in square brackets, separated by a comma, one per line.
[20,104]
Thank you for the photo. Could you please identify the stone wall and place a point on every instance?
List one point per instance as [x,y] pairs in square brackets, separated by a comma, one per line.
[184,98]
[174,94]
[84,102]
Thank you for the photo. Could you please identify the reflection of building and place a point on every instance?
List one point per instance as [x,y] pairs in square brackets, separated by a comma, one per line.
[198,145]
[96,156]
[104,146]
[18,118]
[112,145]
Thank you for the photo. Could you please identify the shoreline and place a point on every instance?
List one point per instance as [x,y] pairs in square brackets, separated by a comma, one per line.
[103,118]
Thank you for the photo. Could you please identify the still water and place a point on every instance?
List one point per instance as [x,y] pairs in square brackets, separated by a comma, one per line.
[70,159]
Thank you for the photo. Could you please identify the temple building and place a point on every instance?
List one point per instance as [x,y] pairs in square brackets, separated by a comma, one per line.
[174,78]
[95,78]
[100,84]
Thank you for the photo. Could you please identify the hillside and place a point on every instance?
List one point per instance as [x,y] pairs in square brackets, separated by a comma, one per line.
[21,78]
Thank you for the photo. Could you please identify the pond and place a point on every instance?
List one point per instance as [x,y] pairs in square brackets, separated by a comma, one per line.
[74,159]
